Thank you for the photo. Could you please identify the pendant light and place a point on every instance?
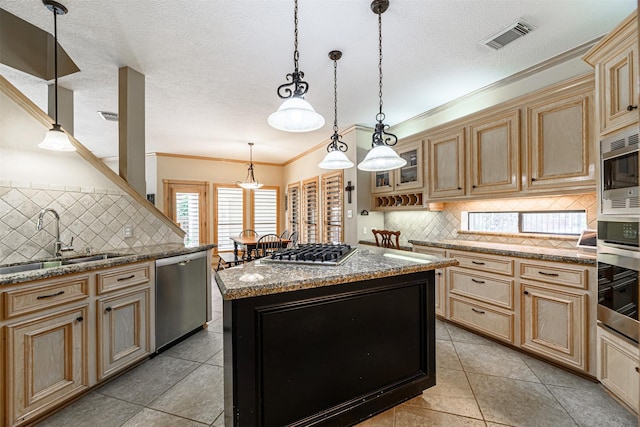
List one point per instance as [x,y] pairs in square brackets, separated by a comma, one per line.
[381,157]
[295,114]
[55,139]
[335,158]
[250,183]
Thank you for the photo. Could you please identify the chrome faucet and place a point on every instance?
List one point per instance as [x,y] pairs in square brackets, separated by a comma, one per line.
[58,247]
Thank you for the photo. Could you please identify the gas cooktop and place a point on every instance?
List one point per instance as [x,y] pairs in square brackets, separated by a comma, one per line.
[313,254]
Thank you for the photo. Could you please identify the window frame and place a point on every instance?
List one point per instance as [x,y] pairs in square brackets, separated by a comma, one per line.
[306,184]
[216,225]
[173,186]
[251,198]
[520,215]
[326,219]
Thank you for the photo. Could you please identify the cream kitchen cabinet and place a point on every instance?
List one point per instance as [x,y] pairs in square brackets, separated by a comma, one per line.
[405,178]
[619,366]
[615,59]
[560,139]
[495,153]
[441,278]
[445,159]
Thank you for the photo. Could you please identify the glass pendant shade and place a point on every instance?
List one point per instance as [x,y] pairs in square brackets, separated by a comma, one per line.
[250,185]
[296,115]
[336,159]
[55,139]
[381,158]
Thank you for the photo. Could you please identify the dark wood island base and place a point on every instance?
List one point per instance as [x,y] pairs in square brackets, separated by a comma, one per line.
[332,355]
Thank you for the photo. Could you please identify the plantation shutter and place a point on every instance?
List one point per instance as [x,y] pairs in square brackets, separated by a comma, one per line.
[187,215]
[293,207]
[229,216]
[265,211]
[332,201]
[310,216]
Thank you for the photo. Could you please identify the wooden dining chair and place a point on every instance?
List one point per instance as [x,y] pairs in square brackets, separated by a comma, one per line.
[284,234]
[294,240]
[267,244]
[385,239]
[246,233]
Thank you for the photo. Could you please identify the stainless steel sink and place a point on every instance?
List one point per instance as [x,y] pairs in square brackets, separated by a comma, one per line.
[89,258]
[55,263]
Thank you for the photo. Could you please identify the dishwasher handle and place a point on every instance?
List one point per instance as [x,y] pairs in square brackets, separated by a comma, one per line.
[180,259]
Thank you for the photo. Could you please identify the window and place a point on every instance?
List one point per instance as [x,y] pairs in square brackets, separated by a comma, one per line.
[229,220]
[186,204]
[546,222]
[265,210]
[332,202]
[310,214]
[293,207]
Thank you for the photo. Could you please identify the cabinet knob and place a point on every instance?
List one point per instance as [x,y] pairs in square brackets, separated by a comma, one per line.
[474,186]
[80,319]
[107,309]
[637,369]
[533,179]
[526,292]
[439,274]
[631,107]
[459,188]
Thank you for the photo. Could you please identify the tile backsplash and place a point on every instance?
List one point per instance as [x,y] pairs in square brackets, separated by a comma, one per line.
[424,225]
[94,217]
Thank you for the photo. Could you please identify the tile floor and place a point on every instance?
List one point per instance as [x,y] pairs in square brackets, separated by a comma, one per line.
[480,383]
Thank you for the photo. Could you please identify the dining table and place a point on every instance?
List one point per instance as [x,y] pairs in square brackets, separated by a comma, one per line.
[250,243]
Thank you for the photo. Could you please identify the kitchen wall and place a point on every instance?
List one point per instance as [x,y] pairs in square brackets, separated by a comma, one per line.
[92,207]
[433,226]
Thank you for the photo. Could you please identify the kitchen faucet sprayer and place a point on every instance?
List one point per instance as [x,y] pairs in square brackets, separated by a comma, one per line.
[58,246]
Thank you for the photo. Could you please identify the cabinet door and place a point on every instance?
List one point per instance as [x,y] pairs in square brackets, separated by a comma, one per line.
[495,154]
[554,324]
[383,181]
[445,164]
[560,143]
[410,175]
[618,81]
[47,359]
[618,367]
[441,307]
[123,330]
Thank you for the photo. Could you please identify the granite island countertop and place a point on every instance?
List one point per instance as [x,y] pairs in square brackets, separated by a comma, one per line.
[521,251]
[124,256]
[259,278]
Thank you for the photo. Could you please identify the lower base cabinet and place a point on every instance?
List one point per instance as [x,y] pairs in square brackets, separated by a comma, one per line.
[487,319]
[47,362]
[618,366]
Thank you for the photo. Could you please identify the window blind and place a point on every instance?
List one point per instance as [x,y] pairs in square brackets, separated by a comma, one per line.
[293,207]
[310,220]
[265,211]
[229,215]
[188,216]
[332,205]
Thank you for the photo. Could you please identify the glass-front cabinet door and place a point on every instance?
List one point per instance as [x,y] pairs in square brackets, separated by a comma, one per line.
[409,176]
[382,181]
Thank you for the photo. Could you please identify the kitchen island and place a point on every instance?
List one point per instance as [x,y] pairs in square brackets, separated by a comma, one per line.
[327,345]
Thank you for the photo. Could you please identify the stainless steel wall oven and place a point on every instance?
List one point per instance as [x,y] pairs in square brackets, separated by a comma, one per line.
[620,190]
[618,266]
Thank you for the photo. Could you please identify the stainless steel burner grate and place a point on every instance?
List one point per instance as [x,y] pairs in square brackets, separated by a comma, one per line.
[313,254]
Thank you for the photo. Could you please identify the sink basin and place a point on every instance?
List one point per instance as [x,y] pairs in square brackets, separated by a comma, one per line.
[89,258]
[29,266]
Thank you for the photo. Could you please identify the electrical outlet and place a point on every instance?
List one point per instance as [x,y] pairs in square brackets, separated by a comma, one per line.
[127,231]
[349,213]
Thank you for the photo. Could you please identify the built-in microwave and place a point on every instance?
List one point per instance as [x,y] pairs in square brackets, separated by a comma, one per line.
[620,189]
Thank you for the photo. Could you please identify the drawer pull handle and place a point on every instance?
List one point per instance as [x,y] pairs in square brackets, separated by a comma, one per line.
[80,319]
[477,281]
[51,295]
[631,107]
[544,273]
[120,279]
[107,309]
[477,262]
[477,311]
[185,262]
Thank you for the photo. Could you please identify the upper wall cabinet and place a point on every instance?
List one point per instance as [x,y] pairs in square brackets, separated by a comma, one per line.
[405,178]
[446,164]
[495,153]
[560,148]
[615,59]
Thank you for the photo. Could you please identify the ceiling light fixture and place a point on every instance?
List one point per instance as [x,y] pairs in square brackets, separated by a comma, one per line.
[250,183]
[295,114]
[55,139]
[335,158]
[381,157]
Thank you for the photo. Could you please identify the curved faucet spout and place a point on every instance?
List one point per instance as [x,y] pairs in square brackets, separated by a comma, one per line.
[58,245]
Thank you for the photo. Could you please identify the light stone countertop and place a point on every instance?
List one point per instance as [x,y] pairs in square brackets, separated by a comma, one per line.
[259,278]
[126,256]
[520,251]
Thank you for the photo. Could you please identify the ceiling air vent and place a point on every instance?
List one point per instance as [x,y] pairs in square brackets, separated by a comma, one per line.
[110,117]
[514,31]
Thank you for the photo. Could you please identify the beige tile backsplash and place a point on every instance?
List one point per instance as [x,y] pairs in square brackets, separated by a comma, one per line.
[94,217]
[424,225]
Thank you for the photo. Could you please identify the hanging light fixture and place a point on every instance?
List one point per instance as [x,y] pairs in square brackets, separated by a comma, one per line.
[335,158]
[250,183]
[55,139]
[295,114]
[381,157]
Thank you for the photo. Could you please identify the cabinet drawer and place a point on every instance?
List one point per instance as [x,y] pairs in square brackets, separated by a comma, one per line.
[430,251]
[486,288]
[575,277]
[484,263]
[125,277]
[493,322]
[21,301]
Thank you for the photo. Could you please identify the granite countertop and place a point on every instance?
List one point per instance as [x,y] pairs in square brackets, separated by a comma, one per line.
[521,251]
[125,256]
[262,278]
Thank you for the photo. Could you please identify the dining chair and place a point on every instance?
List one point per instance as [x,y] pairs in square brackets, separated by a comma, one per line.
[284,234]
[385,239]
[248,233]
[294,240]
[267,244]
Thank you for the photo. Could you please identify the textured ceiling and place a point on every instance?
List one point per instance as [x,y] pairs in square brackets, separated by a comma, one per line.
[212,66]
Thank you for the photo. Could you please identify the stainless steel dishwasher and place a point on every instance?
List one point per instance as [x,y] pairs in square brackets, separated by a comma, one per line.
[182,296]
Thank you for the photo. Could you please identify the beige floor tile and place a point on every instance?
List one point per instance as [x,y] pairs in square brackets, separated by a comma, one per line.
[493,360]
[90,409]
[384,419]
[552,375]
[150,418]
[149,380]
[466,407]
[219,422]
[199,396]
[517,403]
[450,383]
[215,325]
[446,356]
[408,416]
[593,407]
[217,359]
[441,331]
[198,348]
[458,334]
